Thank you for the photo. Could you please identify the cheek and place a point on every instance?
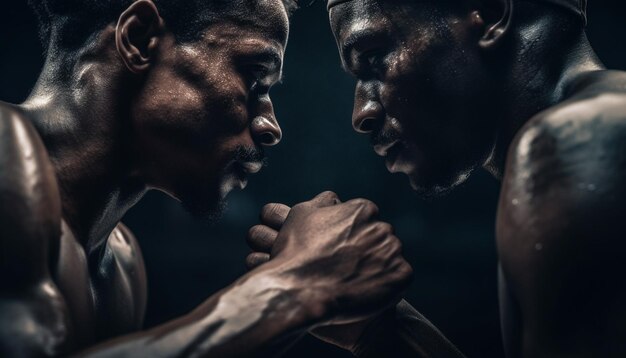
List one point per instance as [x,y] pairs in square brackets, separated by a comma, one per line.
[435,81]
[198,111]
[174,103]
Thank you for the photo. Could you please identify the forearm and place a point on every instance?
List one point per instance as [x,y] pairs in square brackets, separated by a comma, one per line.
[404,333]
[244,319]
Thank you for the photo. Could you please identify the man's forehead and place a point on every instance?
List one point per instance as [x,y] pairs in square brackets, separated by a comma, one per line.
[354,11]
[268,19]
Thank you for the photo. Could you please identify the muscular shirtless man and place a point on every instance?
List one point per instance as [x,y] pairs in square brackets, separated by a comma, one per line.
[167,95]
[514,87]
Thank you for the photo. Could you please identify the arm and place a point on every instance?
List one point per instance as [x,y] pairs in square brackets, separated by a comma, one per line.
[560,237]
[33,314]
[399,329]
[244,319]
[34,319]
[241,320]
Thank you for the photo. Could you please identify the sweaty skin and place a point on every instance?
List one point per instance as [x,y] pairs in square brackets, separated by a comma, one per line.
[142,111]
[514,87]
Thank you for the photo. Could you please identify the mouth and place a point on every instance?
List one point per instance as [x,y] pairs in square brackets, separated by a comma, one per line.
[242,170]
[251,167]
[382,149]
[391,158]
[389,150]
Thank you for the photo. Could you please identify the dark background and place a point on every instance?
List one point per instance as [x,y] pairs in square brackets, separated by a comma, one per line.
[449,241]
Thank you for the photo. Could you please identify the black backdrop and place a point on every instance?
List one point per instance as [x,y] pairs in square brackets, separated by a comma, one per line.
[449,241]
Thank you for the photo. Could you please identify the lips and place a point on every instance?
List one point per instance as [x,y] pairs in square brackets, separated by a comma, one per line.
[251,167]
[392,158]
[383,149]
[241,171]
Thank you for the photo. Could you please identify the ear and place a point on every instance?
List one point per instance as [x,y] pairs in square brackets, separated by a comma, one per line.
[137,35]
[496,17]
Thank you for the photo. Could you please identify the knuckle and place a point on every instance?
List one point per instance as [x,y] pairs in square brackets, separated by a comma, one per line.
[369,208]
[329,194]
[398,244]
[386,229]
[300,206]
[406,272]
[327,197]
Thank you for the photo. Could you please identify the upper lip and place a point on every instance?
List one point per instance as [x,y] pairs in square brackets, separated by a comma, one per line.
[251,167]
[383,148]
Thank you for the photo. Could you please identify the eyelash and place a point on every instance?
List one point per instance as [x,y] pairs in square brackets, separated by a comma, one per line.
[370,61]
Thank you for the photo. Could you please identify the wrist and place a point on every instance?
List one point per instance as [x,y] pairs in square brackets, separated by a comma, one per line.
[312,301]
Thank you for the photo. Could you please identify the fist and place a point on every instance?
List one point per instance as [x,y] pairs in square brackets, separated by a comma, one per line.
[351,261]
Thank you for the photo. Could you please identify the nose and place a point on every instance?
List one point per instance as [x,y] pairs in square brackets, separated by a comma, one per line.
[264,126]
[368,114]
[266,131]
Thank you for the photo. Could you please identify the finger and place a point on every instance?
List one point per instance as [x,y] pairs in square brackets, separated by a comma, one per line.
[366,209]
[327,198]
[256,259]
[274,215]
[261,238]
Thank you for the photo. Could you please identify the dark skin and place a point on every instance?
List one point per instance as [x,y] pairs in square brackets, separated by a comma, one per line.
[140,112]
[443,89]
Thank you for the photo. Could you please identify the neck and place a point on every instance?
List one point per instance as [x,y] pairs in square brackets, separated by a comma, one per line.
[542,74]
[84,124]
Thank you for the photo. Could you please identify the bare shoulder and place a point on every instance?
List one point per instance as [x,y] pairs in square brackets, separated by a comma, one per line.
[570,160]
[30,204]
[561,223]
[33,315]
[583,138]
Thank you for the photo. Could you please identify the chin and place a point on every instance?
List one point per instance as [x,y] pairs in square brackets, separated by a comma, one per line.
[211,211]
[206,203]
[433,187]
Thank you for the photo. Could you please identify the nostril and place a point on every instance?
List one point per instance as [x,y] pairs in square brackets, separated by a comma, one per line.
[268,139]
[368,116]
[367,125]
[267,132]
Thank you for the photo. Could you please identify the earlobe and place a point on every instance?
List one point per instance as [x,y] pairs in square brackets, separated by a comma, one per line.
[497,31]
[137,35]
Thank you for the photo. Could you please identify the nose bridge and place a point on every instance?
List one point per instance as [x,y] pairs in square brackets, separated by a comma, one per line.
[367,110]
[264,125]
